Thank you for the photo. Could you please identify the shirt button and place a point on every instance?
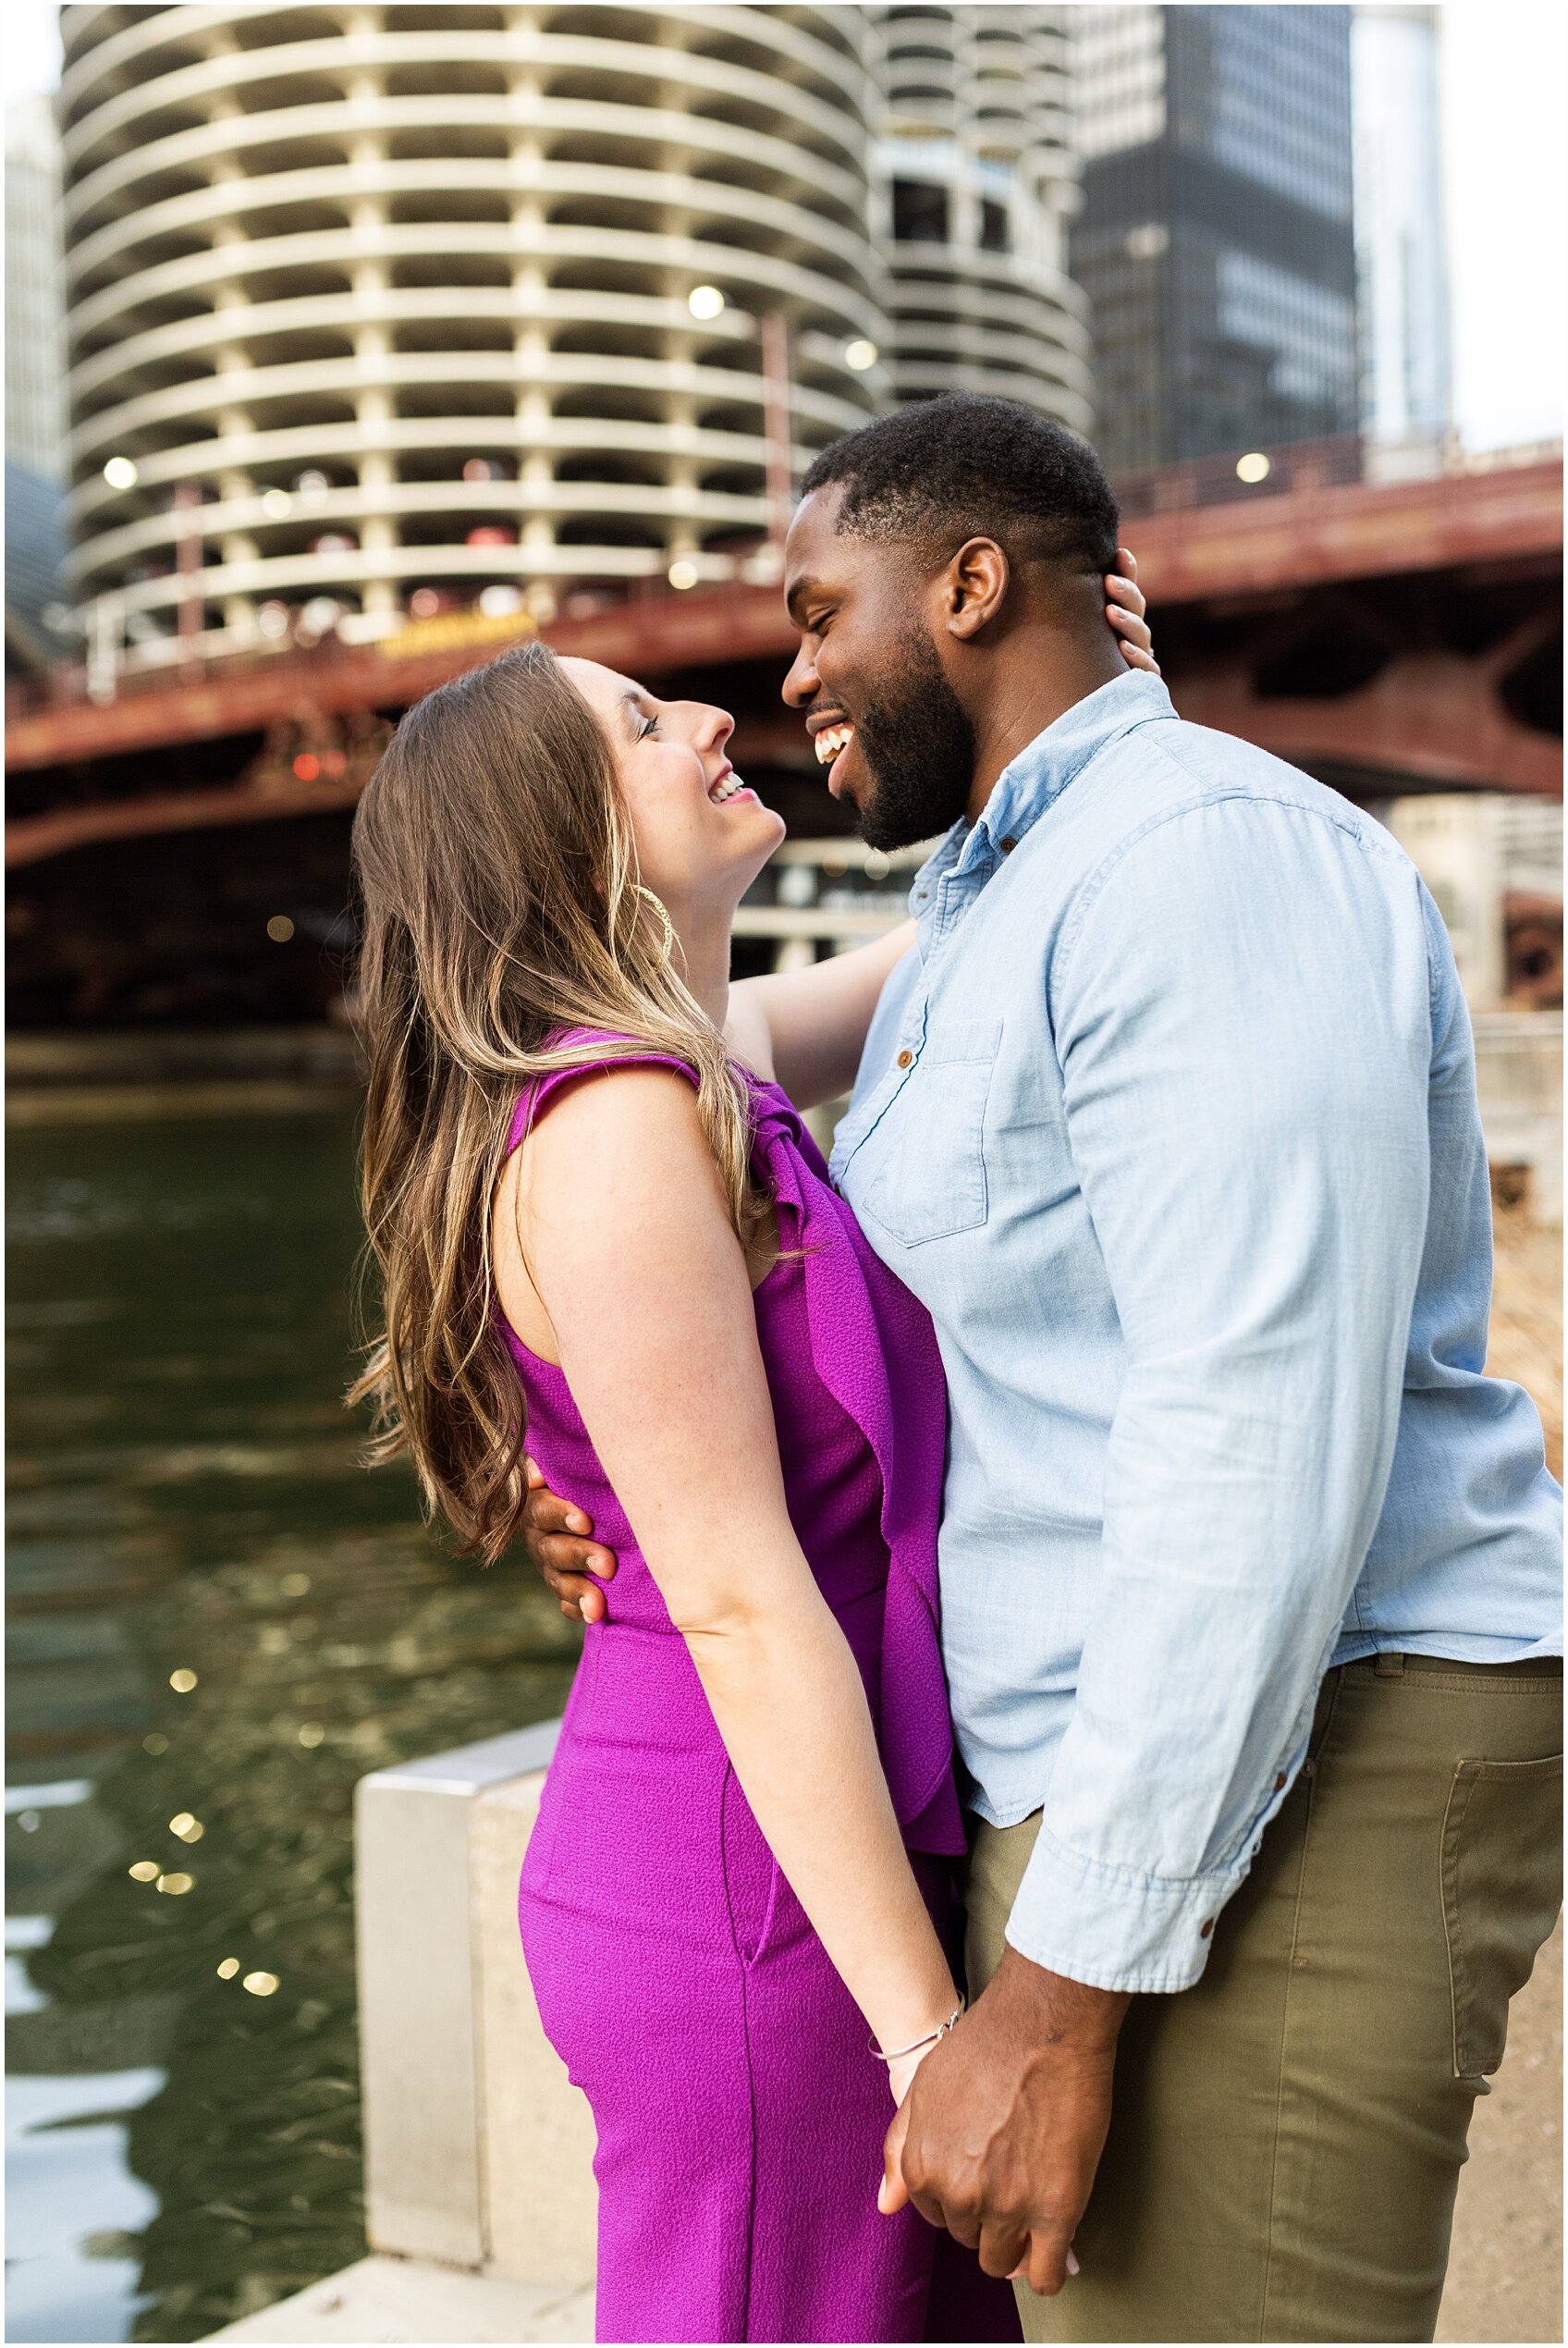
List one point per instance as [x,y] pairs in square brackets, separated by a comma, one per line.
[1280,1783]
[1206,1927]
[1009,845]
[904,1059]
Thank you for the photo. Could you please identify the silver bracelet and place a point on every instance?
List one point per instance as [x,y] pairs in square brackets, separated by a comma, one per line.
[932,2038]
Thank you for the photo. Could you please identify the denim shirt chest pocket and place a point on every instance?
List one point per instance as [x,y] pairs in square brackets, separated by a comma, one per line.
[924,1159]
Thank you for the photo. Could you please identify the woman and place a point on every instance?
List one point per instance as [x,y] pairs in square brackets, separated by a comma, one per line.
[741,1864]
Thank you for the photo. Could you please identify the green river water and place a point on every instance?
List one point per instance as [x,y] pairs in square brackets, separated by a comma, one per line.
[183,1499]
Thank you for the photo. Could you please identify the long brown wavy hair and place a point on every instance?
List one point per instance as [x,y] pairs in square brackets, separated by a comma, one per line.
[500,903]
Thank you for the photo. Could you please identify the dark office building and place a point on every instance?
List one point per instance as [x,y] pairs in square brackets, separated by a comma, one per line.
[1215,242]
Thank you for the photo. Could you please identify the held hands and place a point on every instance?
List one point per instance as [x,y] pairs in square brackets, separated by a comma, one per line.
[1000,2133]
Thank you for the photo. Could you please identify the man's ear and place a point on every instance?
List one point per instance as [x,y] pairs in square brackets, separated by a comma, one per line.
[975,587]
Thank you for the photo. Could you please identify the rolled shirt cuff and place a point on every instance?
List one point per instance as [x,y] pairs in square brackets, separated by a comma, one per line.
[1113,1930]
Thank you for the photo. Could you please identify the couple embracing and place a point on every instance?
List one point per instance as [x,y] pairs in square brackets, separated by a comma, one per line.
[1061,1780]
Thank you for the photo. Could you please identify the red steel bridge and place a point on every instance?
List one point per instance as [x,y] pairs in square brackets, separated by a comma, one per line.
[1391,637]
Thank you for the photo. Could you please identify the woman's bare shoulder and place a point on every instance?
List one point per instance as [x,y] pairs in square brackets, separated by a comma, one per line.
[618,1112]
[616,1171]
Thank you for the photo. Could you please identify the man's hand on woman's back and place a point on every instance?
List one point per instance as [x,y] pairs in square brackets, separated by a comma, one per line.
[555,1536]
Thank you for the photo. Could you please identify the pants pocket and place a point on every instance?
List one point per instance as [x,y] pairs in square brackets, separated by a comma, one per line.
[1502,1887]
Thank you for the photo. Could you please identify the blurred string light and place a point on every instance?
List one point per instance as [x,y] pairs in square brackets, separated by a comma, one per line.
[861,355]
[145,1871]
[120,473]
[280,929]
[294,1585]
[155,1744]
[260,1985]
[177,1884]
[1254,466]
[182,1680]
[312,1734]
[277,504]
[228,1968]
[187,1828]
[704,302]
[683,573]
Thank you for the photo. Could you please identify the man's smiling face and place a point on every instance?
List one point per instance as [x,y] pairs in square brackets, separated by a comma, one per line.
[894,736]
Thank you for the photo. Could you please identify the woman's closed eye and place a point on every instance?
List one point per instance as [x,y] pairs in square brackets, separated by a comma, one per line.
[648,726]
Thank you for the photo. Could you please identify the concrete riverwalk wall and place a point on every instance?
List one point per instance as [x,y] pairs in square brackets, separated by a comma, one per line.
[480,2201]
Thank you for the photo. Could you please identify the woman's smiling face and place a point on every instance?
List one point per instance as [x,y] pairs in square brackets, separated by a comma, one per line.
[702,834]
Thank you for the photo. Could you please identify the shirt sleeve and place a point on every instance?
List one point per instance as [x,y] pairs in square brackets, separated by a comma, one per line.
[1242,1012]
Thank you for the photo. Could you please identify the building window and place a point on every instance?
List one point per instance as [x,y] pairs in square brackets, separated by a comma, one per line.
[993,236]
[920,212]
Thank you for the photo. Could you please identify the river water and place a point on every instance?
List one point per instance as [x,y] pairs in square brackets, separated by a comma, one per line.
[217,1623]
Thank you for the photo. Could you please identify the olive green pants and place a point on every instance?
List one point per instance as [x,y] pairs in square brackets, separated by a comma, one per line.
[1287,2135]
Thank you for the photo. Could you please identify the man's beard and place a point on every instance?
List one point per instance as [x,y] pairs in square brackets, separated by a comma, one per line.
[919,751]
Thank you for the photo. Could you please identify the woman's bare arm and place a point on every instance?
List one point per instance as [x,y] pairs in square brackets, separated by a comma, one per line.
[808,1027]
[620,1212]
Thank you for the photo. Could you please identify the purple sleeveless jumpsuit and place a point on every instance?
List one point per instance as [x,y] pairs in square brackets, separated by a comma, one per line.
[739,2114]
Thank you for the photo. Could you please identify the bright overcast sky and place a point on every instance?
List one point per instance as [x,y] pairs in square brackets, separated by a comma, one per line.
[1503,83]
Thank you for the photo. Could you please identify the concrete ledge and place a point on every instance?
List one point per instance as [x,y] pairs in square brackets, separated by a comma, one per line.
[410,2299]
[478,2149]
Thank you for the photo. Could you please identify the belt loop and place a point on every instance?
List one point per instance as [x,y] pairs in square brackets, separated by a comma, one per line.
[1388,1667]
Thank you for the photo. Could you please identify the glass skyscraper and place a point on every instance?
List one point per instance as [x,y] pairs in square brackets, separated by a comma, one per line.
[1217,241]
[1399,226]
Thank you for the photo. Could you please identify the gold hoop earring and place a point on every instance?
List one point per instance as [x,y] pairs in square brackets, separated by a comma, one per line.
[666,942]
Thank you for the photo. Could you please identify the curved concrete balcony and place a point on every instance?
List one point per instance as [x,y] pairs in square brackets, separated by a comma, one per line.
[292,577]
[930,359]
[929,382]
[232,266]
[270,458]
[829,44]
[524,100]
[328,384]
[462,314]
[266,460]
[916,302]
[150,177]
[366,242]
[992,275]
[464,505]
[323,200]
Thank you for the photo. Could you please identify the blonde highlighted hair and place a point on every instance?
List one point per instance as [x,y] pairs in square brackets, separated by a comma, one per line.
[499,905]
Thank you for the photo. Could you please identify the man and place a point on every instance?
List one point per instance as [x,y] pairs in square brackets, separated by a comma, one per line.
[1249,1575]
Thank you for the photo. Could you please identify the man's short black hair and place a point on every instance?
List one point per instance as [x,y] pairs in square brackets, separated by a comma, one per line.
[941,471]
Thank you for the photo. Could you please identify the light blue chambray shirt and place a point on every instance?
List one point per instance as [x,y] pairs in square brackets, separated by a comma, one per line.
[1171,1122]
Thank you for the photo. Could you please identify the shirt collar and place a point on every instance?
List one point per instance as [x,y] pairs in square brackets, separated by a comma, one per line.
[1040,774]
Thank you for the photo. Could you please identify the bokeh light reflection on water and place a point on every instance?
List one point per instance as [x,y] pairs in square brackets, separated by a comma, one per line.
[215,1616]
